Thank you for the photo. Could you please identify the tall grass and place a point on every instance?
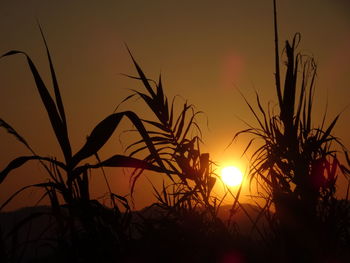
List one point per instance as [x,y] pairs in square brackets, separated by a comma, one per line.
[177,139]
[297,164]
[78,217]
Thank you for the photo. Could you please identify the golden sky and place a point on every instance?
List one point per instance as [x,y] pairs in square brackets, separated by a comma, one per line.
[205,50]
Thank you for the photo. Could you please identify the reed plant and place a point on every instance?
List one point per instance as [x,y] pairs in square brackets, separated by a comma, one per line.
[78,217]
[185,214]
[296,165]
[177,139]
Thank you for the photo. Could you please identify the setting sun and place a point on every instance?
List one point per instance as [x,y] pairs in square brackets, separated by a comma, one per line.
[231,176]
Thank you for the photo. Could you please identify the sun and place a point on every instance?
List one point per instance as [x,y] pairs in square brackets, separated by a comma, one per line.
[231,176]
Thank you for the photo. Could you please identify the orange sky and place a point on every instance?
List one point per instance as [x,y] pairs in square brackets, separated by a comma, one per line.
[205,50]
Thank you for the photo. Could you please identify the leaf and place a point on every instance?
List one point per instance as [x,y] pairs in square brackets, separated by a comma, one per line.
[152,103]
[190,123]
[41,185]
[126,161]
[59,102]
[98,137]
[158,125]
[330,128]
[277,63]
[122,200]
[301,98]
[19,161]
[119,161]
[124,100]
[262,111]
[142,75]
[287,109]
[160,93]
[252,110]
[182,122]
[50,106]
[248,146]
[12,131]
[171,113]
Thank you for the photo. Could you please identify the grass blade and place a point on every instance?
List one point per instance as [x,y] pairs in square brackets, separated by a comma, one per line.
[12,131]
[49,104]
[19,161]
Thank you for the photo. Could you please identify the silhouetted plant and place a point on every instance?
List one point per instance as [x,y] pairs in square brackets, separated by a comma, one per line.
[191,175]
[69,179]
[297,164]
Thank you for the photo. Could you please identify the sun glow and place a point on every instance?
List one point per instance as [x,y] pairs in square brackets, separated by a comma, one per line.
[231,176]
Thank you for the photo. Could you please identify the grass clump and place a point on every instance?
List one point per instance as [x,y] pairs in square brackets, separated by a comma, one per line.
[297,165]
[84,228]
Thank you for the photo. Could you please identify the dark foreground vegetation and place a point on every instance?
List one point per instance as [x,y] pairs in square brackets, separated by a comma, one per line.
[295,167]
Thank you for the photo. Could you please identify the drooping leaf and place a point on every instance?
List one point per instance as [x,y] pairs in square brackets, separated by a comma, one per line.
[98,137]
[19,161]
[158,125]
[182,117]
[40,185]
[50,106]
[126,161]
[59,102]
[12,131]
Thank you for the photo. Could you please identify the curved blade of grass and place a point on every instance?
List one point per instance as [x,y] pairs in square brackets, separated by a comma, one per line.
[182,117]
[120,161]
[126,161]
[142,75]
[50,106]
[146,147]
[252,110]
[98,137]
[41,185]
[189,125]
[329,129]
[18,162]
[12,131]
[59,102]
[103,131]
[158,125]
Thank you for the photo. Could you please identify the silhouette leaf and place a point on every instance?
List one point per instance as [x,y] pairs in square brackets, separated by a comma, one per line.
[126,161]
[142,75]
[40,185]
[49,104]
[59,102]
[104,130]
[330,128]
[98,137]
[19,161]
[12,131]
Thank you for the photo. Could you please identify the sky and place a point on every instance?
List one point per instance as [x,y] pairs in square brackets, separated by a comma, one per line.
[206,51]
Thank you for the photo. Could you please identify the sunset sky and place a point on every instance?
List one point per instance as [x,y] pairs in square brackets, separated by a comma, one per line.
[207,51]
